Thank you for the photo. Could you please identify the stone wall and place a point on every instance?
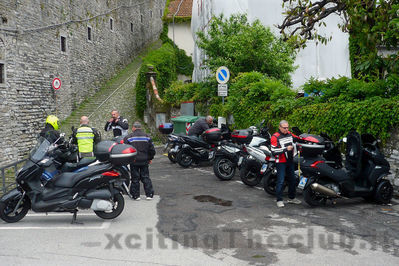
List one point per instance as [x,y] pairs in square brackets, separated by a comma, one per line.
[391,150]
[30,51]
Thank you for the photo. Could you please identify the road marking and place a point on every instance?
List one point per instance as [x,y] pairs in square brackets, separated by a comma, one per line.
[203,171]
[240,182]
[104,225]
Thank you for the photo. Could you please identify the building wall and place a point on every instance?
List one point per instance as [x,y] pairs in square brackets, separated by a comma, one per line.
[30,49]
[318,61]
[183,37]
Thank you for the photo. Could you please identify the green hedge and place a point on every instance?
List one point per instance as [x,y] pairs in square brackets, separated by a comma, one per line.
[335,106]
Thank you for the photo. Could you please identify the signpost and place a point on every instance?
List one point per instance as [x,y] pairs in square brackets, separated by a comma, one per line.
[222,90]
[56,86]
[222,76]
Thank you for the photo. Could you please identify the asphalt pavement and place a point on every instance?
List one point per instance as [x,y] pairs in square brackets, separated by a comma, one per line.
[196,219]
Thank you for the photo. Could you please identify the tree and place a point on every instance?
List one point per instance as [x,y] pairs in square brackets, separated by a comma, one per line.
[245,47]
[371,24]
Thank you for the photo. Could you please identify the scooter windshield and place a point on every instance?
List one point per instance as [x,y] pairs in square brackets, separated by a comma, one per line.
[40,150]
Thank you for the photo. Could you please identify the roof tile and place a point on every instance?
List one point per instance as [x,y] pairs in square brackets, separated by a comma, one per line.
[184,11]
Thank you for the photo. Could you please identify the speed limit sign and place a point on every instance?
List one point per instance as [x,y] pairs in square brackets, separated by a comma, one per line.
[56,83]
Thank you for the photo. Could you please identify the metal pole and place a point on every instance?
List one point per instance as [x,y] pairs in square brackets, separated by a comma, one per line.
[4,180]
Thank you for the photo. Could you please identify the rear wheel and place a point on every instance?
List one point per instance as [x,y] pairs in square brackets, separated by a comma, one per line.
[224,168]
[7,209]
[313,198]
[250,175]
[184,158]
[118,203]
[383,192]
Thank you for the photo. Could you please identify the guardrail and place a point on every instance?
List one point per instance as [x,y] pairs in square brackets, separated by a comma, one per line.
[13,166]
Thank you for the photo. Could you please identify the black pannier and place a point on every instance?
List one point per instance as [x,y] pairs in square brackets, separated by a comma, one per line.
[166,128]
[117,154]
[212,135]
[242,136]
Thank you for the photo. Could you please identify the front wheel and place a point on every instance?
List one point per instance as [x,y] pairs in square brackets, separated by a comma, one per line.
[118,203]
[383,192]
[7,213]
[224,168]
[250,175]
[172,157]
[313,198]
[184,158]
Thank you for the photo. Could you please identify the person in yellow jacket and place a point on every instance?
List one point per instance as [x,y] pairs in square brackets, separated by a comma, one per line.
[86,136]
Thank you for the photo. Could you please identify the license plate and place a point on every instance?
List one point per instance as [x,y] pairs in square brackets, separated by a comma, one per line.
[302,183]
[263,169]
[240,160]
[211,154]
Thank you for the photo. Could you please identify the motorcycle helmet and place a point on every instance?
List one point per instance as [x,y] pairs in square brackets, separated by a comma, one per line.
[52,120]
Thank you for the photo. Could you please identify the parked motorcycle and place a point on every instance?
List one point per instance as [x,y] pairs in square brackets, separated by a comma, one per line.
[97,186]
[227,158]
[258,156]
[364,175]
[201,149]
[311,146]
[174,142]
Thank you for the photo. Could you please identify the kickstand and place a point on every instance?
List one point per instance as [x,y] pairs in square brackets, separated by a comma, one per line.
[75,212]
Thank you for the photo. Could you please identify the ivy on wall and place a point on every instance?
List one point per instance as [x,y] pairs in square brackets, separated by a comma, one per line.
[167,62]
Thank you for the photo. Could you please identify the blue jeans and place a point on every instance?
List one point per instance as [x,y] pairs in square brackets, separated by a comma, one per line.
[285,170]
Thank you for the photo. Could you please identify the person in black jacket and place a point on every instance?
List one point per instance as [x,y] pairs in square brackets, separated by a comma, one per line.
[50,130]
[200,126]
[139,168]
[118,124]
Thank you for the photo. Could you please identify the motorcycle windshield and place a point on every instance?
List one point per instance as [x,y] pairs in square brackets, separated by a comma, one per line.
[40,150]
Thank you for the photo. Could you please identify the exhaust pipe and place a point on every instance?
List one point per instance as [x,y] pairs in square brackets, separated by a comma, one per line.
[324,190]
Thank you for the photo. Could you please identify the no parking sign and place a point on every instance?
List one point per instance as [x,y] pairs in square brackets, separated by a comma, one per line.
[222,75]
[56,83]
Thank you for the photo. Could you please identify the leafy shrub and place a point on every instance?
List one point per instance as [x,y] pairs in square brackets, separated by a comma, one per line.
[163,61]
[243,47]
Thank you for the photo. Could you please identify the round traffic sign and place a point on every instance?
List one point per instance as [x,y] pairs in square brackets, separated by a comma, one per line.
[222,75]
[56,83]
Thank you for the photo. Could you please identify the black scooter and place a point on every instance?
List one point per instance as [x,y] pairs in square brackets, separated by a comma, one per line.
[97,186]
[201,149]
[194,150]
[228,157]
[365,174]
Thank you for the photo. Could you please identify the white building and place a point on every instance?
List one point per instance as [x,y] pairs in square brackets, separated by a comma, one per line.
[180,32]
[318,61]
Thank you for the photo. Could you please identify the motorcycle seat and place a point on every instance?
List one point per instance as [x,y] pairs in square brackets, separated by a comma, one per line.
[337,174]
[70,179]
[195,142]
[70,167]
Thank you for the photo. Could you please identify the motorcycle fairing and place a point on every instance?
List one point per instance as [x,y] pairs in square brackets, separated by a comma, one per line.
[68,180]
[353,154]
